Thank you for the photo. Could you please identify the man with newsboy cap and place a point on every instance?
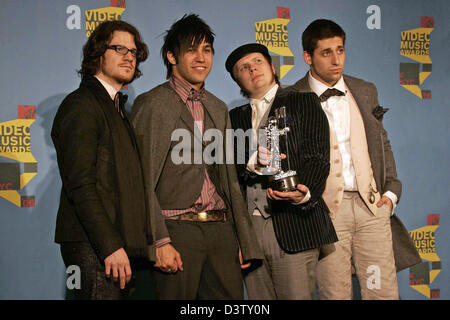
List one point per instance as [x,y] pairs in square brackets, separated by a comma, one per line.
[290,226]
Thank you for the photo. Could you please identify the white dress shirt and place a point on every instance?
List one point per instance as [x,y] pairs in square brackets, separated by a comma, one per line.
[112,92]
[337,110]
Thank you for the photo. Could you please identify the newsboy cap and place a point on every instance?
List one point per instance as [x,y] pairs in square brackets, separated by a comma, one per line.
[244,50]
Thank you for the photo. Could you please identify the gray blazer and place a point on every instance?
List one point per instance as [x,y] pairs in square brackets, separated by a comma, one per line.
[381,157]
[155,115]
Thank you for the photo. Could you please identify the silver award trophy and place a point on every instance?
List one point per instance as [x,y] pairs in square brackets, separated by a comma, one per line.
[279,180]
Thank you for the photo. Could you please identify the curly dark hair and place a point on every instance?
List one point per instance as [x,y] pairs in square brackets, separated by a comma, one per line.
[189,31]
[97,44]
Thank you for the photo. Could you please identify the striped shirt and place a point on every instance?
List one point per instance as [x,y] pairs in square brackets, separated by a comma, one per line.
[209,199]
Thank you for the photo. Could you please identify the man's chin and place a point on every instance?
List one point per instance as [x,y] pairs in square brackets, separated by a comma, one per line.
[125,80]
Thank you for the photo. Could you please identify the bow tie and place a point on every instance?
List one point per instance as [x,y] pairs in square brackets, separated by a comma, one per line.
[119,102]
[196,95]
[329,93]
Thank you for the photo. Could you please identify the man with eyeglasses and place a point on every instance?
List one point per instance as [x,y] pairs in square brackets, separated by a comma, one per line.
[102,222]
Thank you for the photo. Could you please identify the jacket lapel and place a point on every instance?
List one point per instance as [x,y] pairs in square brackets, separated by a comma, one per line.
[371,126]
[245,117]
[301,85]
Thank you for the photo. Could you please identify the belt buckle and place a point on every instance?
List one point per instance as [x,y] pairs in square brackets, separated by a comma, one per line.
[202,216]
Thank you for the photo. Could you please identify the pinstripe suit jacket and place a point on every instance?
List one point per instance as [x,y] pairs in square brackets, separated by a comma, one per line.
[305,226]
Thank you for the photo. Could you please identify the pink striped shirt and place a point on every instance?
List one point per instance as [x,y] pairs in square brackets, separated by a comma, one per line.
[209,199]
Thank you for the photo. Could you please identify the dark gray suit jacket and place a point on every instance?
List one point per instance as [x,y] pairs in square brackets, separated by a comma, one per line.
[381,157]
[102,198]
[155,116]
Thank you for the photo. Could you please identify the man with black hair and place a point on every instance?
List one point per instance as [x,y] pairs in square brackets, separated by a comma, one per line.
[290,226]
[102,220]
[362,188]
[204,234]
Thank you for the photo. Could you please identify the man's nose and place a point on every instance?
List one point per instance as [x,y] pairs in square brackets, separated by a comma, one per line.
[199,55]
[129,56]
[335,58]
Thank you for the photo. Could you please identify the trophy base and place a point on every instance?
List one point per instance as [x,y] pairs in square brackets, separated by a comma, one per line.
[285,181]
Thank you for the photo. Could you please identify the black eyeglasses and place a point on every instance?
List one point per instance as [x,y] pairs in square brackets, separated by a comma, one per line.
[123,50]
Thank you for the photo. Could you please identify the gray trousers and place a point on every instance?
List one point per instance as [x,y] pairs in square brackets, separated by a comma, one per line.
[282,275]
[365,240]
[211,268]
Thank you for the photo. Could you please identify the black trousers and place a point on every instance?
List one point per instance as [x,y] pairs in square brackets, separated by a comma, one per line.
[209,251]
[94,283]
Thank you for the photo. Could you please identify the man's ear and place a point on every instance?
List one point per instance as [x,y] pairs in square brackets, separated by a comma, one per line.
[307,57]
[273,69]
[171,58]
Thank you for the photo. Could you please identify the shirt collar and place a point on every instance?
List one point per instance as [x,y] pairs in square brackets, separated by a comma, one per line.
[318,87]
[109,88]
[183,89]
[268,97]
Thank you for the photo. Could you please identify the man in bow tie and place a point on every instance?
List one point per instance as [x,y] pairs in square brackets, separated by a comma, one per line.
[362,189]
[102,224]
[290,226]
[204,234]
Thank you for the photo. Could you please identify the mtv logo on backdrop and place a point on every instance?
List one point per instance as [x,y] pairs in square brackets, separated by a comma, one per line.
[26,112]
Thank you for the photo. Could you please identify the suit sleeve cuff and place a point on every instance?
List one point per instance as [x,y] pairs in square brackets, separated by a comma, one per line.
[305,199]
[162,242]
[393,198]
[252,164]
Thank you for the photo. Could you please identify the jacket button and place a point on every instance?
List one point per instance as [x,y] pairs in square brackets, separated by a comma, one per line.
[335,147]
[338,175]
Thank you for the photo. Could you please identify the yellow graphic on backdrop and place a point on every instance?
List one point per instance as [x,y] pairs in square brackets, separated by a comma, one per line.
[415,45]
[421,275]
[96,16]
[273,34]
[15,144]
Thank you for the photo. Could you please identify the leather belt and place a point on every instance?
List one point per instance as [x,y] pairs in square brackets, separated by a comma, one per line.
[204,216]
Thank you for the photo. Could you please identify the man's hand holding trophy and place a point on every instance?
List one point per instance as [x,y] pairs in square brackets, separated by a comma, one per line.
[284,185]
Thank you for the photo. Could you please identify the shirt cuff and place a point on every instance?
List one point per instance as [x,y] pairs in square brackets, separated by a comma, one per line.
[253,165]
[305,199]
[393,198]
[162,242]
